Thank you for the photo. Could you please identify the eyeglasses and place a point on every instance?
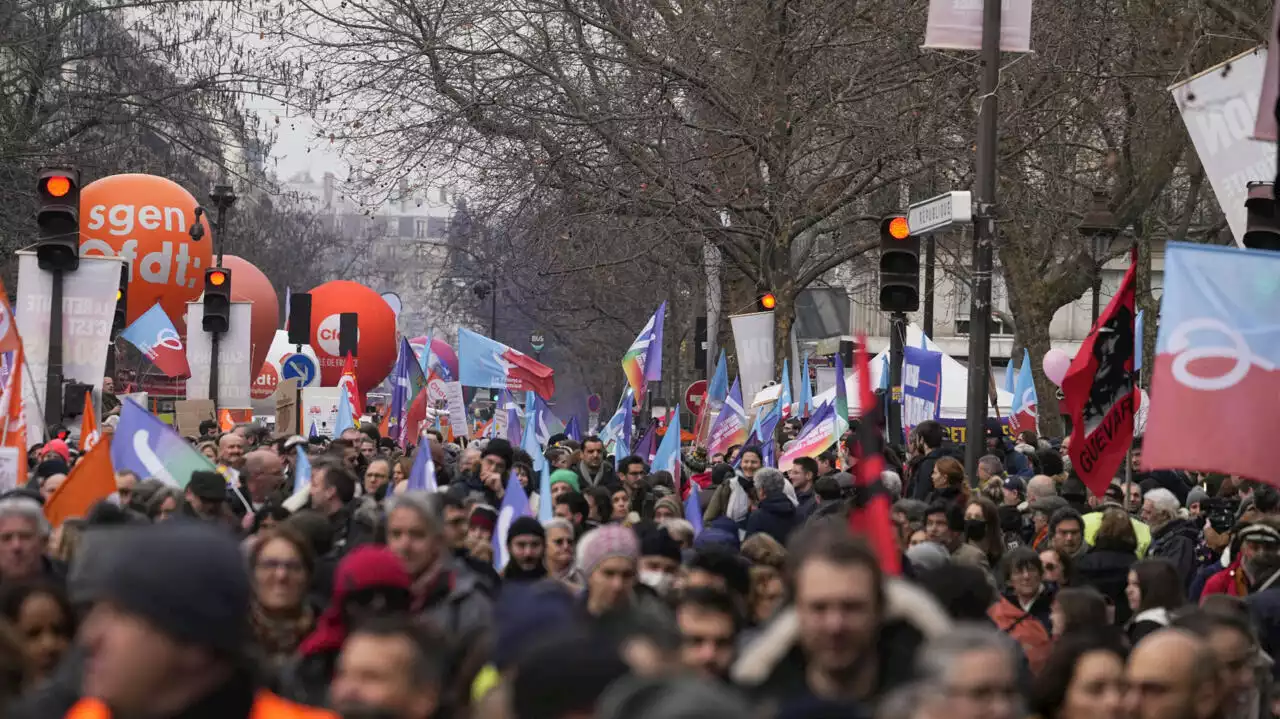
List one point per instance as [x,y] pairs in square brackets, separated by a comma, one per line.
[1050,567]
[292,566]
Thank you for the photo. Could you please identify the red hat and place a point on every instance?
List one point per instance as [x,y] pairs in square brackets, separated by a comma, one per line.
[59,447]
[484,517]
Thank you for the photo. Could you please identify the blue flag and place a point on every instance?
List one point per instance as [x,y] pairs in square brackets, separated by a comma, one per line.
[515,503]
[668,455]
[806,390]
[344,421]
[693,509]
[151,448]
[784,397]
[1010,376]
[530,442]
[301,471]
[1137,340]
[422,477]
[313,432]
[718,387]
[921,386]
[572,430]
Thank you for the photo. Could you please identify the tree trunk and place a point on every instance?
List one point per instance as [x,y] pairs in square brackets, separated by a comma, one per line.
[784,316]
[1033,333]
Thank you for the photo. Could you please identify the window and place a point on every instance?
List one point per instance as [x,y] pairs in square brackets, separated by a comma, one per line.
[999,300]
[437,227]
[420,229]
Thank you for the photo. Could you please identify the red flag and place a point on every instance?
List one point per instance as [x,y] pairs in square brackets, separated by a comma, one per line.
[1101,392]
[525,373]
[871,515]
[348,382]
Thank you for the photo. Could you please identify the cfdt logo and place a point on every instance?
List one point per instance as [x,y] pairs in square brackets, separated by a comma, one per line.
[327,335]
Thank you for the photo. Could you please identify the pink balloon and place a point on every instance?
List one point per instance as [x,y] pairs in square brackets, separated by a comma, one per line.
[1056,363]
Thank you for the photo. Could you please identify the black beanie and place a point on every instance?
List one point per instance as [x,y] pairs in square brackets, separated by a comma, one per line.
[658,543]
[524,526]
[499,448]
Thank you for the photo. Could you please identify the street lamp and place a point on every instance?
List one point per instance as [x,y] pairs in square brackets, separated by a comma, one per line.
[483,289]
[1099,226]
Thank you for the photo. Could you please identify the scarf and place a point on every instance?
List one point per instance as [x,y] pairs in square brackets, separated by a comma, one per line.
[592,481]
[432,586]
[280,636]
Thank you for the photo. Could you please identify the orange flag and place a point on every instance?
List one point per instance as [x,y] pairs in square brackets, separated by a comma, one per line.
[89,434]
[14,431]
[92,480]
[225,422]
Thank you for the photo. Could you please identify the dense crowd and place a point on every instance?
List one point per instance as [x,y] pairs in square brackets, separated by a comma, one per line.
[250,594]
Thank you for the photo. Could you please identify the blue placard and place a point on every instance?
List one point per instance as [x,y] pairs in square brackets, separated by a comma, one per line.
[299,367]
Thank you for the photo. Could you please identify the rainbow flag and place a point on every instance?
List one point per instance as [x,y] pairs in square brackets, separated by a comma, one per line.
[730,427]
[815,437]
[642,362]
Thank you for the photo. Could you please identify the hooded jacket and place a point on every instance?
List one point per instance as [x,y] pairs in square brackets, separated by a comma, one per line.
[1176,542]
[773,667]
[776,516]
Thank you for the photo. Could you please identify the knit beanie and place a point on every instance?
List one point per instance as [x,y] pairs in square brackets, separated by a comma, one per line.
[568,476]
[610,540]
[525,526]
[1196,495]
[658,543]
[672,504]
[499,448]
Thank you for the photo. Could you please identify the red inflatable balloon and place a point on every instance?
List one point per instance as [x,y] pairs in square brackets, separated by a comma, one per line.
[249,284]
[144,219]
[376,327]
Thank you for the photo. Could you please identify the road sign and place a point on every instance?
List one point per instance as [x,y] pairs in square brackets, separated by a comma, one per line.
[299,367]
[537,340]
[693,396]
[593,403]
[940,213]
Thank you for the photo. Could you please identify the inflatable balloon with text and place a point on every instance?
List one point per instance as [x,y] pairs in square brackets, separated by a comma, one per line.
[144,219]
[376,332]
[249,284]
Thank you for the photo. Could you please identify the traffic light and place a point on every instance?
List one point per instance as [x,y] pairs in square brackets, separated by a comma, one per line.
[766,302]
[217,299]
[899,266]
[121,319]
[1262,227]
[58,219]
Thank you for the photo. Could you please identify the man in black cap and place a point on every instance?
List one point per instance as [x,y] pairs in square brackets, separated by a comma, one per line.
[526,544]
[490,477]
[169,628]
[206,495]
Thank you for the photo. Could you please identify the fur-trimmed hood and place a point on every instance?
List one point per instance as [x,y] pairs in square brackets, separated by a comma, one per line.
[905,604]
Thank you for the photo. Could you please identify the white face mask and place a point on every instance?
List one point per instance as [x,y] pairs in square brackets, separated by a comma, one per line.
[659,582]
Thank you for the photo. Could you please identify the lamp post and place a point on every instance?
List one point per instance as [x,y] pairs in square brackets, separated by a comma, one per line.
[1099,227]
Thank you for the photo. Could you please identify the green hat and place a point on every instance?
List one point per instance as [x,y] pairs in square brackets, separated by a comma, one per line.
[568,476]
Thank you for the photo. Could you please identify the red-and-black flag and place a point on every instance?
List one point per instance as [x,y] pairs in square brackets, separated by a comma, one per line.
[871,514]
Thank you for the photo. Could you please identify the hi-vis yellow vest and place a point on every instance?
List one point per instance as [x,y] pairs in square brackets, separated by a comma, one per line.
[265,706]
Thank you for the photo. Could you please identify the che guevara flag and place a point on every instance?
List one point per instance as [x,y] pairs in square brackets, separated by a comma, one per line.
[870,514]
[1101,391]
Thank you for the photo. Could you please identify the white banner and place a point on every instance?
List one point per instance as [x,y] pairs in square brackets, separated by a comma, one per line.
[88,309]
[1220,107]
[753,337]
[957,25]
[234,375]
[319,408]
[457,409]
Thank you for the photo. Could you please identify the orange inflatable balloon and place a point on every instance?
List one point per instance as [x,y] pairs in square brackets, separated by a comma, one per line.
[376,326]
[144,219]
[249,284]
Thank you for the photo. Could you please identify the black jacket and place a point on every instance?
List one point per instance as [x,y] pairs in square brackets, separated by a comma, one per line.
[1176,542]
[776,516]
[922,477]
[608,478]
[1106,568]
[1040,609]
[1265,609]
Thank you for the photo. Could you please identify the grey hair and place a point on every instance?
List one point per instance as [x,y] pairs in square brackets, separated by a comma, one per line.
[424,504]
[674,526]
[558,523]
[939,655]
[993,464]
[770,480]
[910,701]
[891,482]
[1164,501]
[27,508]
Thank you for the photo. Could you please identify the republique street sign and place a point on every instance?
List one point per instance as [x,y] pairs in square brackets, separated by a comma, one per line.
[940,213]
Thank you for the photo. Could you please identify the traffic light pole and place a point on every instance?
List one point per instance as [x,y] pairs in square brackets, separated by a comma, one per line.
[983,241]
[897,333]
[223,198]
[930,247]
[53,380]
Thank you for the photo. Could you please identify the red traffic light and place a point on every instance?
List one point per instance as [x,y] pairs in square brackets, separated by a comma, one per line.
[217,278]
[768,301]
[898,228]
[57,185]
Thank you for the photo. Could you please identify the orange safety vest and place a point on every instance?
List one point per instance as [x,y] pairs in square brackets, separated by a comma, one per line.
[265,706]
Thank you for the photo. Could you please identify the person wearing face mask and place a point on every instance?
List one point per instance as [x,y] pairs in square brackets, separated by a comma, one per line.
[659,561]
[982,529]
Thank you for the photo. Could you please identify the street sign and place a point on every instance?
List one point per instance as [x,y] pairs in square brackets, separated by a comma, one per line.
[693,396]
[940,213]
[299,367]
[537,341]
[593,403]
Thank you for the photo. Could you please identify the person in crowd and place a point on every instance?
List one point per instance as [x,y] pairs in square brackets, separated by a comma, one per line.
[209,448]
[1154,592]
[803,473]
[1083,678]
[982,529]
[573,507]
[1058,568]
[666,508]
[775,513]
[600,504]
[333,487]
[558,558]
[42,616]
[925,556]
[206,497]
[659,563]
[392,668]
[1231,637]
[1027,589]
[442,589]
[526,546]
[593,471]
[281,565]
[850,637]
[1114,497]
[1172,674]
[260,480]
[1079,609]
[377,475]
[1172,537]
[1218,534]
[608,557]
[489,478]
[1041,510]
[990,467]
[231,450]
[1066,533]
[165,503]
[709,624]
[370,581]
[908,517]
[167,634]
[1013,492]
[24,535]
[401,468]
[944,525]
[722,568]
[927,446]
[950,486]
[631,472]
[1254,548]
[1105,566]
[978,668]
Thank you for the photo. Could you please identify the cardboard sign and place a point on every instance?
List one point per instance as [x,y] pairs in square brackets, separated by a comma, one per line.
[189,413]
[287,407]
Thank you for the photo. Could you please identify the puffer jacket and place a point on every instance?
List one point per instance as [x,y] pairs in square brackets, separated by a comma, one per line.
[1176,542]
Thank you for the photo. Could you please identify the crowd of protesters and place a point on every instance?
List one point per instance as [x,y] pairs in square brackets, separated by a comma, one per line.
[1021,593]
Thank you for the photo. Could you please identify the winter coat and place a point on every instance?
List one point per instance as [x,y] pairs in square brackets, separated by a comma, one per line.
[968,554]
[776,516]
[1025,629]
[608,477]
[1176,542]
[1229,581]
[808,504]
[922,477]
[1040,608]
[457,602]
[1264,607]
[1093,520]
[772,669]
[1146,622]
[1106,568]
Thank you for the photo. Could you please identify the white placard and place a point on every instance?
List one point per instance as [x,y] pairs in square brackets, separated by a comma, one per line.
[319,407]
[457,408]
[1220,108]
[9,458]
[753,337]
[88,309]
[235,377]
